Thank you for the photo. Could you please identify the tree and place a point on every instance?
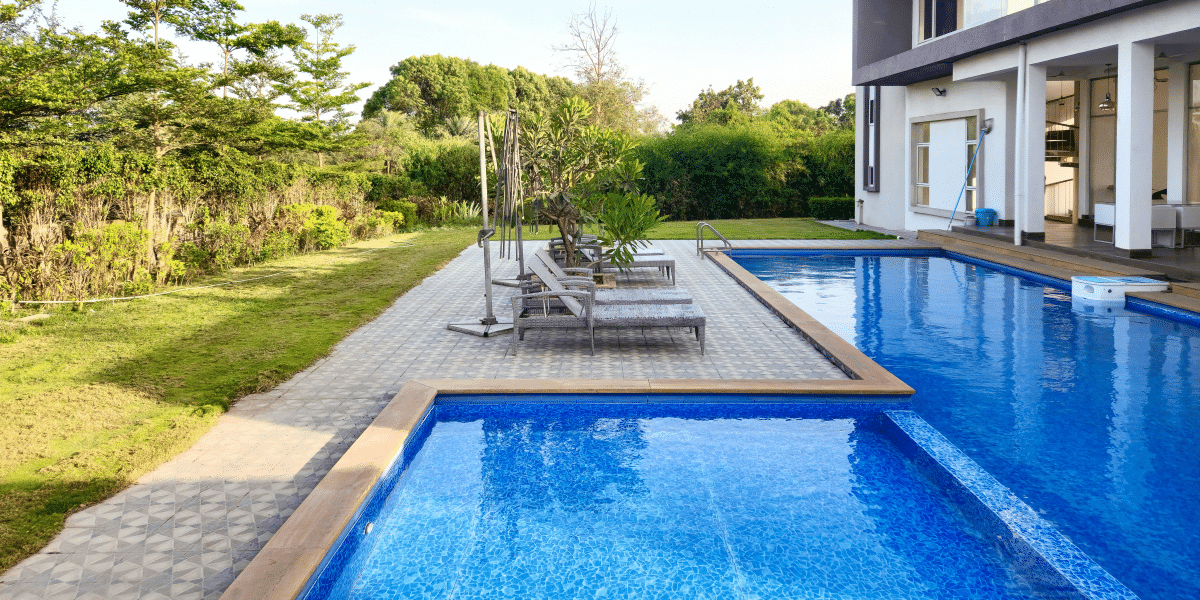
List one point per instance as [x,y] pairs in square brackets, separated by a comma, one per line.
[323,94]
[602,81]
[214,21]
[52,84]
[435,89]
[842,110]
[735,103]
[581,173]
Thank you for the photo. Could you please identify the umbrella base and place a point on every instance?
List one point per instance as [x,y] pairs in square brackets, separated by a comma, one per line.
[480,329]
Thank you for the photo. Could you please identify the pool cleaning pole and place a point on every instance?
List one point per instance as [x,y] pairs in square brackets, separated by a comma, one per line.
[983,134]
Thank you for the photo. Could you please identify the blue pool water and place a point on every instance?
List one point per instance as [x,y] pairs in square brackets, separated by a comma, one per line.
[667,501]
[1091,417]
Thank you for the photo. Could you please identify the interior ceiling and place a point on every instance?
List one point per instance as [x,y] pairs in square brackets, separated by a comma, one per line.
[1181,46]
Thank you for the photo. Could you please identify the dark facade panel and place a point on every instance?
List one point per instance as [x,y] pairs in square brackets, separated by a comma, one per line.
[934,59]
[876,32]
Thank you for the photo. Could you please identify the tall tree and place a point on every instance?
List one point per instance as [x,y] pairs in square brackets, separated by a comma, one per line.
[435,89]
[591,54]
[322,95]
[734,103]
[216,21]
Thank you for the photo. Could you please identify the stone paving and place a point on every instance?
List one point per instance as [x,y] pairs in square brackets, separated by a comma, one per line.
[187,529]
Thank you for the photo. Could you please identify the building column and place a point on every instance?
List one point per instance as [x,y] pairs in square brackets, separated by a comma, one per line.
[1033,215]
[1177,130]
[1084,174]
[1135,144]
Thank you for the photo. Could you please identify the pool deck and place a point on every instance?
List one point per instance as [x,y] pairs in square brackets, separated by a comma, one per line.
[190,527]
[187,529]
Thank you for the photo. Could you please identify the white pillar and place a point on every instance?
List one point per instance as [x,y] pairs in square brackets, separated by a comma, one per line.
[1033,220]
[1019,148]
[1135,145]
[1177,129]
[1084,174]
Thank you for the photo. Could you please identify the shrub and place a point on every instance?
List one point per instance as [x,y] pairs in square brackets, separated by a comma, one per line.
[386,188]
[405,208]
[831,209]
[104,260]
[218,246]
[716,172]
[323,230]
[278,244]
[447,168]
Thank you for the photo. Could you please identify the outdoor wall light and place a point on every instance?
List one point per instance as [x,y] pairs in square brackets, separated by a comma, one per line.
[939,91]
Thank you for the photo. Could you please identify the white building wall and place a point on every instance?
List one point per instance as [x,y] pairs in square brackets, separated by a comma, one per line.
[885,208]
[992,98]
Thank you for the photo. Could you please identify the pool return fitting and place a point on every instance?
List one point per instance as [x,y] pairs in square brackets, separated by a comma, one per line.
[983,131]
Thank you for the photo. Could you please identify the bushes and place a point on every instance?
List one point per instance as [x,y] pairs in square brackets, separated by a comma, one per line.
[831,209]
[745,171]
[447,168]
[322,230]
[407,209]
[386,188]
[716,172]
[103,221]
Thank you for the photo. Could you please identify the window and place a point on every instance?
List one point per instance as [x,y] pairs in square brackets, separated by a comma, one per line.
[938,17]
[947,163]
[871,141]
[968,201]
[922,178]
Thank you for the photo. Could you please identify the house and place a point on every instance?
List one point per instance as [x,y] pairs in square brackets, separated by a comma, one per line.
[1085,111]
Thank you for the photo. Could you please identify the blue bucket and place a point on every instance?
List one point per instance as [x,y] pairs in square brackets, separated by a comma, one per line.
[985,217]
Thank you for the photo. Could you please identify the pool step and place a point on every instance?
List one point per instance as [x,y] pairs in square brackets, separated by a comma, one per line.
[1170,299]
[1075,265]
[1186,289]
[1017,263]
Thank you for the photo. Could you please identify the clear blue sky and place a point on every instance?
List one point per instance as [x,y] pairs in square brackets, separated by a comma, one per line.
[796,50]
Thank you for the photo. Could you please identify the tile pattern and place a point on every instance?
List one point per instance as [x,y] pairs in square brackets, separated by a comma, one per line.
[187,529]
[1044,555]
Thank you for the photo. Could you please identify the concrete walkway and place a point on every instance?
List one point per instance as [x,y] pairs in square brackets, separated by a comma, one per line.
[187,529]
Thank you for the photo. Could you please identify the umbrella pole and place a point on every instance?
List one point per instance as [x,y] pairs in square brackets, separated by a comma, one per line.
[489,325]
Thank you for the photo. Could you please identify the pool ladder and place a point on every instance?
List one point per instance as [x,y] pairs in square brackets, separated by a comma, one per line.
[700,238]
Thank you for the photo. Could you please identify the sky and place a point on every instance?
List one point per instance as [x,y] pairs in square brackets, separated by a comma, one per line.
[797,50]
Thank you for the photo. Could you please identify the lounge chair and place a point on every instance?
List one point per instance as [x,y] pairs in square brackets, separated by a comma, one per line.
[665,263]
[579,310]
[544,267]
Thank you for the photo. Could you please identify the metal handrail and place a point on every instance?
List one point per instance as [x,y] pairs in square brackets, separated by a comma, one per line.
[700,238]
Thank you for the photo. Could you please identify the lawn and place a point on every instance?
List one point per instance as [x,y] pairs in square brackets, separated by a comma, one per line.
[94,398]
[743,229]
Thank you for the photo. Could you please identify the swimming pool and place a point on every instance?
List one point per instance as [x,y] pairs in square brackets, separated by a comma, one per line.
[1089,416]
[686,498]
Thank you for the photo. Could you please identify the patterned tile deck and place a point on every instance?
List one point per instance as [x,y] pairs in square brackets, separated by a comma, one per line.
[187,529]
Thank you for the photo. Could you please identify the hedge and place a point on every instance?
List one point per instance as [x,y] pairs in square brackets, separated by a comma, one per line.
[831,209]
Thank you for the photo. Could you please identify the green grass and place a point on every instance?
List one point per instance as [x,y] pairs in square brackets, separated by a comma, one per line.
[94,398]
[747,229]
